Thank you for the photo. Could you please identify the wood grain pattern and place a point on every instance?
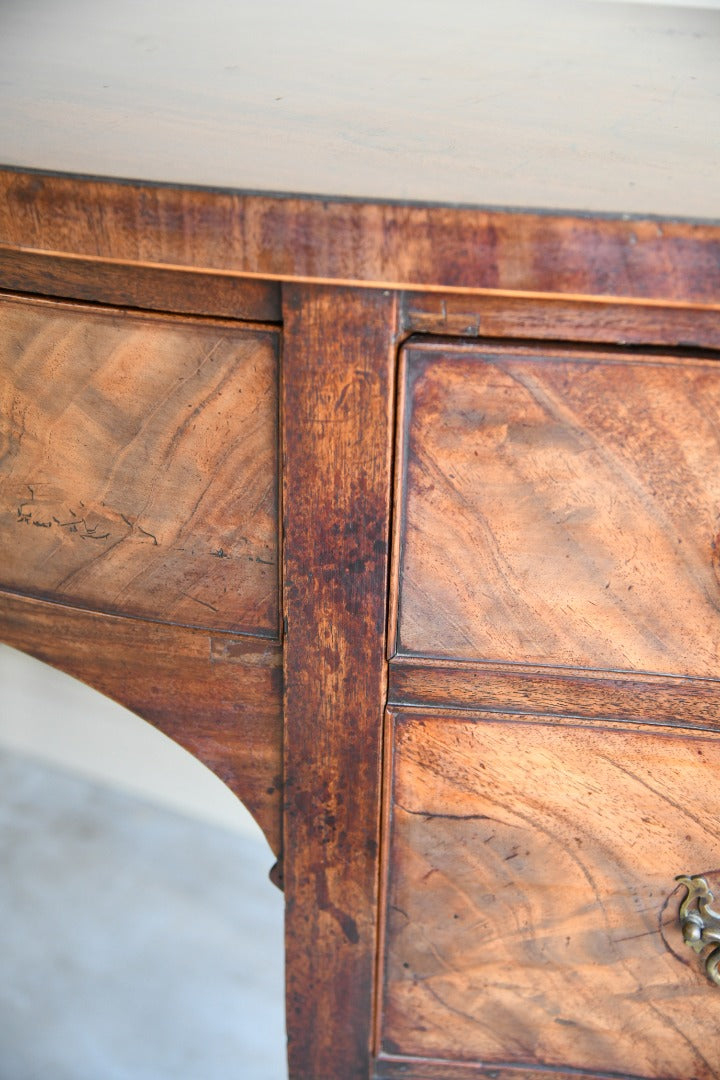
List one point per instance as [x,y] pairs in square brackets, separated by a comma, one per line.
[388,1067]
[523,688]
[592,107]
[338,368]
[138,470]
[532,906]
[218,696]
[561,509]
[597,123]
[153,288]
[383,244]
[556,319]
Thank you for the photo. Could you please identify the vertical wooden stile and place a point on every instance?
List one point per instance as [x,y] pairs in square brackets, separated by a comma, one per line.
[338,374]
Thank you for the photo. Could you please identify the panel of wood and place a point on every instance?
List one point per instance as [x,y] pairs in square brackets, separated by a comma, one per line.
[560,508]
[138,471]
[219,697]
[338,369]
[532,907]
[389,1068]
[156,288]
[381,244]
[517,688]
[546,319]
[588,107]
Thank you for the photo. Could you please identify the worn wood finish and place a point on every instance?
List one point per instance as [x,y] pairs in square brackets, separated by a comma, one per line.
[532,906]
[337,402]
[477,170]
[390,1068]
[218,696]
[592,107]
[522,688]
[352,242]
[154,288]
[555,319]
[560,508]
[138,471]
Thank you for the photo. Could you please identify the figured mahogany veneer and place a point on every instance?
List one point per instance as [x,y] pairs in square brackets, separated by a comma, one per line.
[139,467]
[531,909]
[560,508]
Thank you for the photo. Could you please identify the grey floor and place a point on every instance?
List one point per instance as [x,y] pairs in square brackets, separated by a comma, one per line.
[136,942]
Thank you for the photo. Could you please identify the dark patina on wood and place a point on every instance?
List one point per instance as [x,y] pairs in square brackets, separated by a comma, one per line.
[337,406]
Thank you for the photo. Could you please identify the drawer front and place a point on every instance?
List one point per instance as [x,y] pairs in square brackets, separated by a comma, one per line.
[531,907]
[559,508]
[138,464]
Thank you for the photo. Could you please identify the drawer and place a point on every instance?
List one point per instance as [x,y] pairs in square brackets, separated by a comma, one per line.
[560,508]
[138,464]
[531,908]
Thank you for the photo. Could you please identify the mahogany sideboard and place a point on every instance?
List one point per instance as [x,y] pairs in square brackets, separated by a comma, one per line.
[360,429]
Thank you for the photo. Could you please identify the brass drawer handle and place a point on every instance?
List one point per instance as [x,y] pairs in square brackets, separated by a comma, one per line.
[700,923]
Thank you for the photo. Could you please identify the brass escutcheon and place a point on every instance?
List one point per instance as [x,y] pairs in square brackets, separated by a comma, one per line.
[700,923]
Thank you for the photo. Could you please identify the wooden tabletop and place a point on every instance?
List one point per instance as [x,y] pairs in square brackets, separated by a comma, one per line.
[567,106]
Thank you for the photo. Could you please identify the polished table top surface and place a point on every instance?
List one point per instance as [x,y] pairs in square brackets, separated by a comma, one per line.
[568,105]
